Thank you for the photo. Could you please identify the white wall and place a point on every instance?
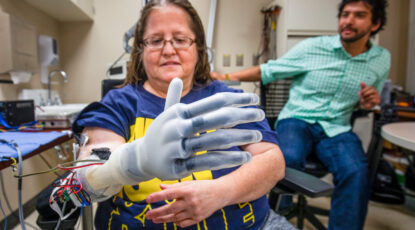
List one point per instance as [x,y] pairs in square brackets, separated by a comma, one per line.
[87,48]
[395,38]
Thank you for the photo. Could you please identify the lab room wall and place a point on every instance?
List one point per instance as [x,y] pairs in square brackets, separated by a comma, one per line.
[395,38]
[87,49]
[44,24]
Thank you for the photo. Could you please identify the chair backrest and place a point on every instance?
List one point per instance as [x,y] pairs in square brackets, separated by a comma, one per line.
[108,84]
[274,96]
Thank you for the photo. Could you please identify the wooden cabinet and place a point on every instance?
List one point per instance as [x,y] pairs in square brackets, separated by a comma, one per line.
[66,10]
[17,44]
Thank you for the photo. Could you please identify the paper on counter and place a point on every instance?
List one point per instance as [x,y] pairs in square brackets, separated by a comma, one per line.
[20,76]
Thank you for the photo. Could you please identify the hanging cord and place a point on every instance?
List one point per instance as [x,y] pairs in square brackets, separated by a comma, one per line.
[14,145]
[60,219]
[47,164]
[68,166]
[65,166]
[19,185]
[114,63]
[28,126]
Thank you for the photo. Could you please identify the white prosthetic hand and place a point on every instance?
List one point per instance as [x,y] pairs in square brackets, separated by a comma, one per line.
[168,149]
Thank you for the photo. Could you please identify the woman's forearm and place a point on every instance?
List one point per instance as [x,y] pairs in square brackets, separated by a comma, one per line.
[254,179]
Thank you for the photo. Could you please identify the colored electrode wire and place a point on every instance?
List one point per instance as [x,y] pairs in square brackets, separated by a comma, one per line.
[65,166]
[30,125]
[69,185]
[47,163]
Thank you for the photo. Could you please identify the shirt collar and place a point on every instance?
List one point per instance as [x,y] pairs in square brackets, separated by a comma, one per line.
[371,52]
[336,43]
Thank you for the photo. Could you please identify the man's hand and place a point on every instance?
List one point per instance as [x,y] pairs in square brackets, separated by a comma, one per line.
[218,76]
[369,96]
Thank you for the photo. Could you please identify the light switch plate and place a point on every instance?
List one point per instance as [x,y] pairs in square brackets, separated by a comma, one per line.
[227,60]
[239,60]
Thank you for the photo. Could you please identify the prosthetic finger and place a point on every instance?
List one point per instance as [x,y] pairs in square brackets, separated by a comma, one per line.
[212,160]
[220,100]
[226,117]
[174,93]
[221,139]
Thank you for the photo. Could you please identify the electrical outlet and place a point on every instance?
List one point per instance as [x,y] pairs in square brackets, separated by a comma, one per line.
[239,60]
[255,59]
[227,60]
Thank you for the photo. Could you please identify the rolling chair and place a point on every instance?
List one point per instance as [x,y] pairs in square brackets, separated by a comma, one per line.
[314,169]
[304,184]
[108,84]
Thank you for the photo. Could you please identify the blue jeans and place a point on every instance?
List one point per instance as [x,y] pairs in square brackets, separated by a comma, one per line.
[343,155]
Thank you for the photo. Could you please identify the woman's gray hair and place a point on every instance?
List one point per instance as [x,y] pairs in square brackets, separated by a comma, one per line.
[136,72]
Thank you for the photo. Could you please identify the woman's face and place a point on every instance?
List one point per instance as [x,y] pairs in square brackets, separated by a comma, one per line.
[162,65]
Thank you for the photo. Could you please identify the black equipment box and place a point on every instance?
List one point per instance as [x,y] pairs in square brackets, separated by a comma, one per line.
[16,113]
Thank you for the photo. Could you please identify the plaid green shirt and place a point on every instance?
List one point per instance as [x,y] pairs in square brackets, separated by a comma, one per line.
[326,80]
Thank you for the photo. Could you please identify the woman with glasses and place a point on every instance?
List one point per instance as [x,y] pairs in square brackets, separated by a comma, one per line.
[170,43]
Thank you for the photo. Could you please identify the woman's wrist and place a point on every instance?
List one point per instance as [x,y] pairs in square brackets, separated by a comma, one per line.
[225,188]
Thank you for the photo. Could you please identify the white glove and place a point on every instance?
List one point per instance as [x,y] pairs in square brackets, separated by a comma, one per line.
[167,151]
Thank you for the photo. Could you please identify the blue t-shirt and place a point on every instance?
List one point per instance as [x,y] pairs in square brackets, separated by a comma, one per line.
[129,111]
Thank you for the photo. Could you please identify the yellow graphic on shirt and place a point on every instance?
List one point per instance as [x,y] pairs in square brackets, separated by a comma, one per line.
[142,216]
[140,192]
[124,227]
[114,212]
[165,226]
[204,225]
[224,218]
[250,216]
[128,204]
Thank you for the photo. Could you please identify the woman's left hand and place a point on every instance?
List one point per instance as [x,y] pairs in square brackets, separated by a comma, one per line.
[195,201]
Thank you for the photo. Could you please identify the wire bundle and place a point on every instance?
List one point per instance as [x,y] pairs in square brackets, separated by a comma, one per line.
[31,126]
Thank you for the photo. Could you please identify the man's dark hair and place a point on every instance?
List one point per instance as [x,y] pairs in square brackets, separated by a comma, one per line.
[378,11]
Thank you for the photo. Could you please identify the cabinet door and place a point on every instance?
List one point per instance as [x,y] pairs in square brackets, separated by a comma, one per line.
[312,15]
[24,46]
[66,10]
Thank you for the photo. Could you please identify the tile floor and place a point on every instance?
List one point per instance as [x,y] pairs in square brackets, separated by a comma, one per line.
[380,216]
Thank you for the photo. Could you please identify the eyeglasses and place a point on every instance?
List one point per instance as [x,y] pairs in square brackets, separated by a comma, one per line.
[157,43]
